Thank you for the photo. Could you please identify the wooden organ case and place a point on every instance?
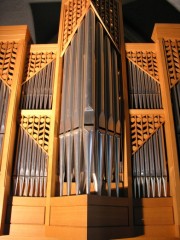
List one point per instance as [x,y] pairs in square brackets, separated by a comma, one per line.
[90,129]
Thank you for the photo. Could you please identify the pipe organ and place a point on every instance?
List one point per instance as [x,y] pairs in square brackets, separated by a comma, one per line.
[89,129]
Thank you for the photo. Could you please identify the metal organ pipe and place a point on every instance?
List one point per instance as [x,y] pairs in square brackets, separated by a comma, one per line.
[96,146]
[149,160]
[31,160]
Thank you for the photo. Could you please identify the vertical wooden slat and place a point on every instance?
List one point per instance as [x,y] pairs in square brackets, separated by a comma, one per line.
[21,34]
[126,126]
[55,117]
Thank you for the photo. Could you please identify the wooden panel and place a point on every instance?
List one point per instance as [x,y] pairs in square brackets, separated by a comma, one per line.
[6,237]
[108,201]
[140,47]
[107,216]
[146,111]
[106,233]
[157,232]
[27,230]
[67,233]
[153,202]
[27,215]
[165,31]
[28,201]
[68,216]
[73,188]
[80,200]
[153,216]
[14,32]
[44,47]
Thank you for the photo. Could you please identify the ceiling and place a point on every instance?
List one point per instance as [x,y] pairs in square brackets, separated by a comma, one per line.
[42,17]
[141,15]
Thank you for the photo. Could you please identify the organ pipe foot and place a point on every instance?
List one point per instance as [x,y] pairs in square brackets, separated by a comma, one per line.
[88,142]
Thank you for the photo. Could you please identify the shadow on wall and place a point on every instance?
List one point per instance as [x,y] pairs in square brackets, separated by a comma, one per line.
[46,21]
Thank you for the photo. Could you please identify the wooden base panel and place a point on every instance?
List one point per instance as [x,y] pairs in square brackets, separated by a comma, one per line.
[153,211]
[67,233]
[27,230]
[7,237]
[148,238]
[91,217]
[155,231]
[106,233]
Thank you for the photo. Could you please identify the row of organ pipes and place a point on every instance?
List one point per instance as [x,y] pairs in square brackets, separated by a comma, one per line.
[144,92]
[31,159]
[30,170]
[90,128]
[37,91]
[149,168]
[90,123]
[149,162]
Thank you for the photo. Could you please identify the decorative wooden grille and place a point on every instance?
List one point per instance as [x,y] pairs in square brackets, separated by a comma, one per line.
[145,60]
[8,53]
[38,127]
[172,54]
[36,61]
[74,11]
[109,12]
[142,127]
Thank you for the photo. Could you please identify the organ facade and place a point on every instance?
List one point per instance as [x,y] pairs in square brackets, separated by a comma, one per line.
[89,129]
